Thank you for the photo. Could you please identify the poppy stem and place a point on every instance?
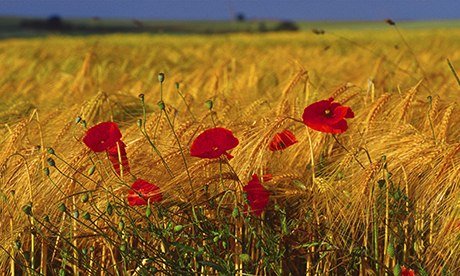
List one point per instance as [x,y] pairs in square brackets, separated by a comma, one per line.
[294,119]
[312,156]
[354,156]
[185,102]
[181,151]
[144,132]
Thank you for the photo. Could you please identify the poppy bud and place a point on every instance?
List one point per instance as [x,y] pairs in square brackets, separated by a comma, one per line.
[141,97]
[84,251]
[84,197]
[391,250]
[46,218]
[161,77]
[91,249]
[209,104]
[397,270]
[62,207]
[46,171]
[177,85]
[123,247]
[161,105]
[87,216]
[178,228]
[235,212]
[27,209]
[83,123]
[78,119]
[139,122]
[91,170]
[148,211]
[17,244]
[109,209]
[76,214]
[245,258]
[50,150]
[121,225]
[51,162]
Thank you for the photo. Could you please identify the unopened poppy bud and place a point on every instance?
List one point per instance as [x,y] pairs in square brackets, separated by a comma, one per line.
[397,269]
[161,105]
[161,77]
[84,197]
[83,123]
[46,171]
[177,85]
[178,228]
[139,122]
[141,97]
[91,249]
[121,225]
[17,244]
[209,104]
[245,258]
[46,218]
[76,214]
[78,119]
[235,212]
[148,212]
[51,162]
[87,216]
[91,170]
[50,151]
[27,209]
[62,207]
[109,209]
[84,251]
[123,247]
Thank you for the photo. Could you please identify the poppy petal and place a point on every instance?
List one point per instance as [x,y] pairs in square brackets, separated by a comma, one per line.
[213,142]
[102,136]
[257,195]
[282,140]
[327,116]
[142,191]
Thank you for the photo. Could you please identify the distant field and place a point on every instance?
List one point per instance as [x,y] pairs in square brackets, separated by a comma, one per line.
[11,26]
[379,198]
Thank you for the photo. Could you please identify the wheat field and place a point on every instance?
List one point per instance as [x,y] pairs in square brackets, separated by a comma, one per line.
[378,199]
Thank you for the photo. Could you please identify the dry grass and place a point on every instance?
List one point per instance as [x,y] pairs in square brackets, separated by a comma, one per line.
[256,82]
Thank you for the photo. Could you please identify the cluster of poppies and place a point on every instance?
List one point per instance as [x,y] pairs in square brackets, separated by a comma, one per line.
[324,116]
[106,137]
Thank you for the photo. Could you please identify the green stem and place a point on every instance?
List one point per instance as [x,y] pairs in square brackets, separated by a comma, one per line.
[453,71]
[155,149]
[181,151]
[354,156]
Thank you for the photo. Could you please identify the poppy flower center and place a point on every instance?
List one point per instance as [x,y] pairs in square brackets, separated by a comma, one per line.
[328,113]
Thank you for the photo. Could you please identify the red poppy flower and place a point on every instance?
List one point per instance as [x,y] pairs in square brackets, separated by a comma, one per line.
[112,152]
[143,191]
[256,195]
[407,272]
[213,142]
[282,140]
[102,136]
[327,116]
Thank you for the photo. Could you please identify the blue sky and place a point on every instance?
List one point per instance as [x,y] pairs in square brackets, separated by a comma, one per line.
[225,9]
